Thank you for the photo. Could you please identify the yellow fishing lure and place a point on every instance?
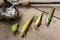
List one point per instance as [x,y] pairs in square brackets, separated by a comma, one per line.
[26,26]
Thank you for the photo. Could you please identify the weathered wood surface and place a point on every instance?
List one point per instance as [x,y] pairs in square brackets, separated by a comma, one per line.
[45,33]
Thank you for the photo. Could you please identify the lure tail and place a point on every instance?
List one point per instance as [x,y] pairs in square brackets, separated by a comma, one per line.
[49,17]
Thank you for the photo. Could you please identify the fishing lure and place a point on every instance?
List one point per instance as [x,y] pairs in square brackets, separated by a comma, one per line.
[49,17]
[26,26]
[37,21]
[14,27]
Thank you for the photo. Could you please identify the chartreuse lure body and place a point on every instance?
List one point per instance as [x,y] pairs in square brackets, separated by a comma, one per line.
[49,17]
[14,27]
[26,26]
[37,21]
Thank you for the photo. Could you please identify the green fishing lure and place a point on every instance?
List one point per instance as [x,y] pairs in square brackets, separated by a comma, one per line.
[49,17]
[14,27]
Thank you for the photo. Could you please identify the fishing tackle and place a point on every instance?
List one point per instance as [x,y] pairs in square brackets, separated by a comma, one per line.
[26,26]
[37,21]
[14,27]
[9,13]
[9,3]
[49,17]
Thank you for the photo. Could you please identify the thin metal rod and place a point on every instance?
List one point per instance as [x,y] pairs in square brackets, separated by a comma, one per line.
[44,3]
[8,4]
[44,12]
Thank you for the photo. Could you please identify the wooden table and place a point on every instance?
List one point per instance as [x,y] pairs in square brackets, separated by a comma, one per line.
[45,33]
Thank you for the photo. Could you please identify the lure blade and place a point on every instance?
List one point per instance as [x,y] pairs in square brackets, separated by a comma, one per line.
[38,21]
[49,17]
[14,27]
[26,26]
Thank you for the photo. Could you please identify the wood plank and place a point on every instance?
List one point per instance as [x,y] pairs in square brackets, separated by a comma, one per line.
[47,9]
[45,33]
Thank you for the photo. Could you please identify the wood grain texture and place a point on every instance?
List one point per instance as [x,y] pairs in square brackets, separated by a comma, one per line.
[45,33]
